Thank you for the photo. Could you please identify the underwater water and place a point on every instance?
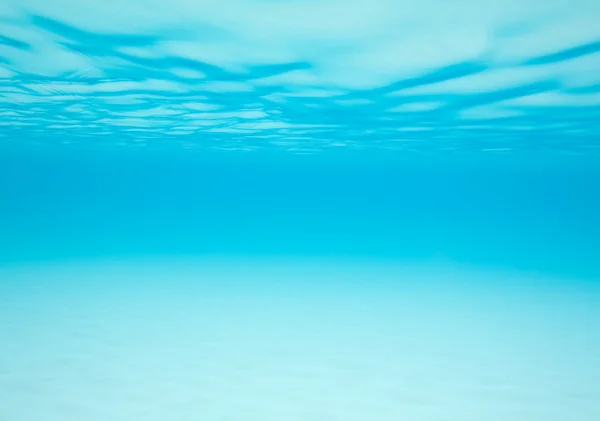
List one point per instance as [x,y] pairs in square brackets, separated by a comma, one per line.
[299,210]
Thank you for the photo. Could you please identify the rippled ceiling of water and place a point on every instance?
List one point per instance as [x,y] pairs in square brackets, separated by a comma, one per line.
[301,75]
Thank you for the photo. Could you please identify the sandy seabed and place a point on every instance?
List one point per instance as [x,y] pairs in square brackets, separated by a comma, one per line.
[227,339]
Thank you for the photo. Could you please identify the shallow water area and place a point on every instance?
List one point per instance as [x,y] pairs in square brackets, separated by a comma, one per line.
[299,210]
[295,339]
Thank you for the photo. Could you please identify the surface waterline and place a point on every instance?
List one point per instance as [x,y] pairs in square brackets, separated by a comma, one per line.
[419,77]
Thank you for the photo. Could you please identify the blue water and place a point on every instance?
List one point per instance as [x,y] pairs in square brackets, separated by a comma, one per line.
[299,210]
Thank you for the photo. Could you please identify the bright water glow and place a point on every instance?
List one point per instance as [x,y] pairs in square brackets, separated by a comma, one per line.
[295,340]
[299,210]
[418,75]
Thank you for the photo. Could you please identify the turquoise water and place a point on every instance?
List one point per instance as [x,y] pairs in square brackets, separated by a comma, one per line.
[299,210]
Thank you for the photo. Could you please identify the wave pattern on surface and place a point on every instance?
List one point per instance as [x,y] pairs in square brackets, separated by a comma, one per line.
[63,84]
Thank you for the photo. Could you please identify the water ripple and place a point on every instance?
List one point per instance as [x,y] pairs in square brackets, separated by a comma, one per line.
[61,82]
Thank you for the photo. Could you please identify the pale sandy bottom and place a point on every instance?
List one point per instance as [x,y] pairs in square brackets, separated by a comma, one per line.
[231,340]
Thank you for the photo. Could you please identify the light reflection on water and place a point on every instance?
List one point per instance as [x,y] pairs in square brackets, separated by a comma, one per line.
[303,76]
